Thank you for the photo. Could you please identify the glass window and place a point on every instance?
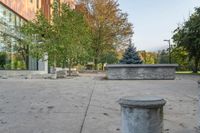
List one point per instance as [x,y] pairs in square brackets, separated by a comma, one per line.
[10,17]
[4,12]
[15,19]
[9,37]
[22,22]
[37,3]
[19,22]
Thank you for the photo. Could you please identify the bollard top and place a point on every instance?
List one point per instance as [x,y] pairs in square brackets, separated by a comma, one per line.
[142,102]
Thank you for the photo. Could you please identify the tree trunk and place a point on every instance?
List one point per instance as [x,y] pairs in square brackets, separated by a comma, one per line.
[64,63]
[54,66]
[95,64]
[102,67]
[96,57]
[27,62]
[196,64]
[70,66]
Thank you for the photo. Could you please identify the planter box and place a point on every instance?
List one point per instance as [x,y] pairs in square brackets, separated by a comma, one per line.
[141,72]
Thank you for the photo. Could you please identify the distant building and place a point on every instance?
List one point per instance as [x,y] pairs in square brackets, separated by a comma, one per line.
[13,13]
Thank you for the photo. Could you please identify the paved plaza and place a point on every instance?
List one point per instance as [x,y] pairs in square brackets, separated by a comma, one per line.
[88,104]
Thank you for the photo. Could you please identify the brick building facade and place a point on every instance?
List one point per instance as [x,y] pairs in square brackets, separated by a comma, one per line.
[13,13]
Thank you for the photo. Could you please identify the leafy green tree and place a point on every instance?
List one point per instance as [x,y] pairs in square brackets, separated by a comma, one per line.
[188,37]
[149,57]
[131,56]
[109,26]
[73,36]
[38,37]
[109,58]
[64,38]
[163,57]
[180,56]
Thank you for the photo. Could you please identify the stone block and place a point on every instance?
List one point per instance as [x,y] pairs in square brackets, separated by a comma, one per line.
[61,74]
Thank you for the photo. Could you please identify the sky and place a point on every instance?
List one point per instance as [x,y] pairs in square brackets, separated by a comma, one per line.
[155,20]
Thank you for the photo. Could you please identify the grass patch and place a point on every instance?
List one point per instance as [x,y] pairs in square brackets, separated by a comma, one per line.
[187,72]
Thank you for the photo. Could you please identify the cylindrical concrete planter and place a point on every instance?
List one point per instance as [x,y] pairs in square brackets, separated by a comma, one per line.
[142,115]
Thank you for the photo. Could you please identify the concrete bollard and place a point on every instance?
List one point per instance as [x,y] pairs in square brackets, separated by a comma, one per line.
[142,115]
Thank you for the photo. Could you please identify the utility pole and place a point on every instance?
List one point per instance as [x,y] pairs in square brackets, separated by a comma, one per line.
[169,50]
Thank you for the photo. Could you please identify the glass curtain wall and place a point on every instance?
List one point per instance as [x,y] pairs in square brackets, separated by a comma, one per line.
[12,55]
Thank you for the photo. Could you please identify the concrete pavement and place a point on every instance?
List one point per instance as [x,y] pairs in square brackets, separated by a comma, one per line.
[67,106]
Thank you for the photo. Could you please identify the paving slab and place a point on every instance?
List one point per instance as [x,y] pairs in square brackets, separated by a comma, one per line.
[43,106]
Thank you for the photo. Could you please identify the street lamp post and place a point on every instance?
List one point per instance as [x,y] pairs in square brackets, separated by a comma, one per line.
[169,50]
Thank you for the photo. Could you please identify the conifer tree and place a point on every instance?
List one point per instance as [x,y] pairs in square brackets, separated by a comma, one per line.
[131,56]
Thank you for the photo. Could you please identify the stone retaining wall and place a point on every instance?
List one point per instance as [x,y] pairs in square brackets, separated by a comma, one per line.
[19,73]
[141,72]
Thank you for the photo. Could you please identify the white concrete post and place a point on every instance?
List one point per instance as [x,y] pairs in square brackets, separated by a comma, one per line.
[43,64]
[142,115]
